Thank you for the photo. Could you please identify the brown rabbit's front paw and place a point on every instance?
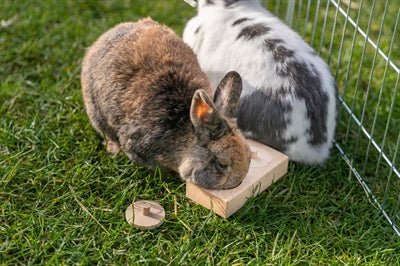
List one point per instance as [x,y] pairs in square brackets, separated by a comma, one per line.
[112,147]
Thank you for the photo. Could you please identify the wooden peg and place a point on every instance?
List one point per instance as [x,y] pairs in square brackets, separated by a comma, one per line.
[145,211]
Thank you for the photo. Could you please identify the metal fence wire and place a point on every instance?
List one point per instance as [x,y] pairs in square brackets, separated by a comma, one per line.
[359,39]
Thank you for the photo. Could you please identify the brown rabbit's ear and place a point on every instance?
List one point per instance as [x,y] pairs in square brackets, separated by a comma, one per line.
[227,94]
[206,118]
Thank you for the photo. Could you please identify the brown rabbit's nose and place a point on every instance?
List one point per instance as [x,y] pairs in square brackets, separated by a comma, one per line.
[233,186]
[205,179]
[230,185]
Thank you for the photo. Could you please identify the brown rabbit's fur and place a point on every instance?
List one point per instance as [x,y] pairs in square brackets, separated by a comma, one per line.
[145,93]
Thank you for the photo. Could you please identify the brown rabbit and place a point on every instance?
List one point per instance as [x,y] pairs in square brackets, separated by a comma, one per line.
[146,94]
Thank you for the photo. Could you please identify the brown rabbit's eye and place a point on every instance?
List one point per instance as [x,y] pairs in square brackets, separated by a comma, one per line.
[220,166]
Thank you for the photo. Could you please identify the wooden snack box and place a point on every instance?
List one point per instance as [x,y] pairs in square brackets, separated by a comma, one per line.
[267,166]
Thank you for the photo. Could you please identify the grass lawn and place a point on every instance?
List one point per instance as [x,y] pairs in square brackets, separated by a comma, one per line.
[62,197]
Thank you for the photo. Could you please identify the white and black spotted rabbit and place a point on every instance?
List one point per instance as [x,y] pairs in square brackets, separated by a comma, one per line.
[289,97]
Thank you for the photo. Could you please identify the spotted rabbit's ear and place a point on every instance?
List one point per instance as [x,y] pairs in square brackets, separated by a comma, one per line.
[205,117]
[227,94]
[222,3]
[192,3]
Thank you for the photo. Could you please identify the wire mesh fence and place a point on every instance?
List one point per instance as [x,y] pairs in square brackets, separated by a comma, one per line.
[360,41]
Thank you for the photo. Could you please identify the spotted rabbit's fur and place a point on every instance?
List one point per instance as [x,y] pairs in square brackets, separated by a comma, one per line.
[289,98]
[146,94]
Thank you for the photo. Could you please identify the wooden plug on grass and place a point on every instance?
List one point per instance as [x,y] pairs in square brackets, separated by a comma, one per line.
[145,214]
[266,167]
